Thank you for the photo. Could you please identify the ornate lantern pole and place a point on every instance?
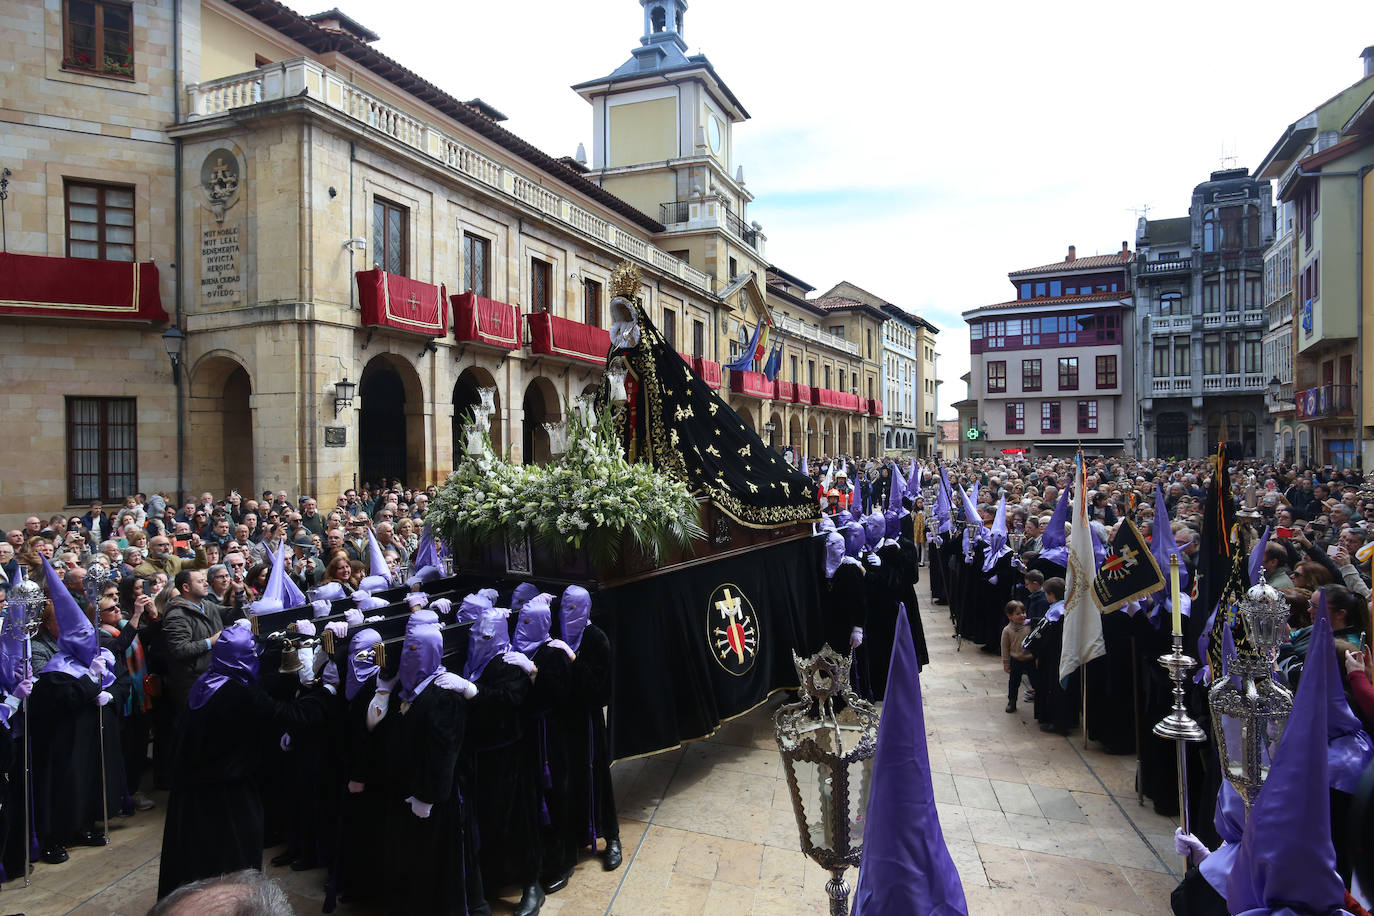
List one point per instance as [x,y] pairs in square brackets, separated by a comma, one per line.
[829,765]
[1249,708]
[22,616]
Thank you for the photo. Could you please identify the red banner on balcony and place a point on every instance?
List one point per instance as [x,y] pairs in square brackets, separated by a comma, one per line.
[553,336]
[709,370]
[486,321]
[402,304]
[784,391]
[37,285]
[875,407]
[805,394]
[752,384]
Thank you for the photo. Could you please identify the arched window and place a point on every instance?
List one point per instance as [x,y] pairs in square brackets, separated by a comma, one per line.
[1209,230]
[1171,303]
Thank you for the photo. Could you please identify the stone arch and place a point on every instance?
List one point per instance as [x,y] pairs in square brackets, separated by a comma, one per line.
[465,401]
[794,436]
[391,421]
[219,432]
[842,435]
[540,406]
[813,439]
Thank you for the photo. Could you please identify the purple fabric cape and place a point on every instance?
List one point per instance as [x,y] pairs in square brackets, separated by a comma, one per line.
[906,868]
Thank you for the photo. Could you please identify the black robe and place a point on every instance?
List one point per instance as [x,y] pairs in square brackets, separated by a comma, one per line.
[214,813]
[591,811]
[428,866]
[66,757]
[503,788]
[12,842]
[1055,705]
[357,876]
[844,605]
[1111,688]
[547,755]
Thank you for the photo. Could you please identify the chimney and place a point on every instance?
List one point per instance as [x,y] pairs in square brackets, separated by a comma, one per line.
[1125,249]
[1073,255]
[1367,55]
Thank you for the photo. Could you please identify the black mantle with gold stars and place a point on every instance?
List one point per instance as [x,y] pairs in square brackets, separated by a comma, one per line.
[674,420]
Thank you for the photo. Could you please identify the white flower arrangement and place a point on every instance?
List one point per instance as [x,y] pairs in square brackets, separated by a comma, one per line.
[592,498]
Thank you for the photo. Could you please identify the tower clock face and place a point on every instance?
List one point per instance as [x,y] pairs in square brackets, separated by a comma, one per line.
[715,135]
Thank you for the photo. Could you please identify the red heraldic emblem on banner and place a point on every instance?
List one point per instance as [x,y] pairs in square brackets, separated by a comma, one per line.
[732,629]
[1128,572]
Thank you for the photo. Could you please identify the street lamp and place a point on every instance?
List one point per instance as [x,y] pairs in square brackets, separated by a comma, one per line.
[343,394]
[174,340]
[829,766]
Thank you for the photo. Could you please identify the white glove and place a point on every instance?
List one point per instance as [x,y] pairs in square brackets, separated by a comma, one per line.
[560,644]
[102,698]
[243,622]
[373,619]
[285,742]
[305,628]
[419,808]
[519,660]
[417,600]
[353,617]
[856,637]
[338,628]
[1185,844]
[355,787]
[874,560]
[97,668]
[441,606]
[450,681]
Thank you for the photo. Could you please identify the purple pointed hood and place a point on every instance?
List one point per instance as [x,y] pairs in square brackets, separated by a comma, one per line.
[1348,748]
[472,608]
[842,518]
[273,595]
[1229,821]
[826,523]
[944,509]
[574,613]
[77,643]
[896,493]
[1054,528]
[913,480]
[489,594]
[1257,555]
[421,618]
[532,624]
[874,526]
[360,672]
[378,573]
[834,553]
[233,658]
[1287,861]
[422,659]
[892,524]
[489,638]
[997,537]
[291,595]
[424,575]
[425,552]
[853,539]
[523,592]
[906,867]
[1162,545]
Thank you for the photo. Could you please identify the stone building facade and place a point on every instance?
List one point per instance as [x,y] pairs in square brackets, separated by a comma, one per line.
[1199,282]
[318,220]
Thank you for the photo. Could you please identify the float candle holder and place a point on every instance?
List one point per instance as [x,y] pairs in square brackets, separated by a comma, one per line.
[1178,725]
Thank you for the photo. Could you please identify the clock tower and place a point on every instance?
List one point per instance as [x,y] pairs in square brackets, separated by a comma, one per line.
[663,129]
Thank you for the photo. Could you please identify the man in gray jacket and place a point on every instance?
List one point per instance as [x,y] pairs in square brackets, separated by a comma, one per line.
[191,624]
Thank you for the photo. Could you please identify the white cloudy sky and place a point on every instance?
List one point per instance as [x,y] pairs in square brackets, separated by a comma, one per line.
[924,150]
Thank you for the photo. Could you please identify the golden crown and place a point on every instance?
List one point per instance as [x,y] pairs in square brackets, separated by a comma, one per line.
[625,280]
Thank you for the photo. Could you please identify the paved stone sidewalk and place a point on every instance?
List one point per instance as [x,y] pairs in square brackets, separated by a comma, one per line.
[1034,823]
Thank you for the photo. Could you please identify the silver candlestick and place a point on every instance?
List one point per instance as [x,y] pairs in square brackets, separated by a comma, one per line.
[1178,726]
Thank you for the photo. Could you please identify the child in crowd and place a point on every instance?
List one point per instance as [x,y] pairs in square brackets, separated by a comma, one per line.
[1016,661]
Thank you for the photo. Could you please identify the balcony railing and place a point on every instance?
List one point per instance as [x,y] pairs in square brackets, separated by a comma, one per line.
[1172,385]
[748,234]
[1233,381]
[1232,318]
[1167,324]
[811,332]
[1165,266]
[303,77]
[675,212]
[1325,402]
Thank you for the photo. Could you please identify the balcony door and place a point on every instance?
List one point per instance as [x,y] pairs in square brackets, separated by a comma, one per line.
[1171,435]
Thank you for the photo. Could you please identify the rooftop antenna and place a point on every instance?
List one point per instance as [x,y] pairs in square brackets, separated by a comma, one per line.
[1228,162]
[1141,211]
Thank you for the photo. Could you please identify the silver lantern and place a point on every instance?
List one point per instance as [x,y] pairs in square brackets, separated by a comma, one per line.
[1249,707]
[828,758]
[558,437]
